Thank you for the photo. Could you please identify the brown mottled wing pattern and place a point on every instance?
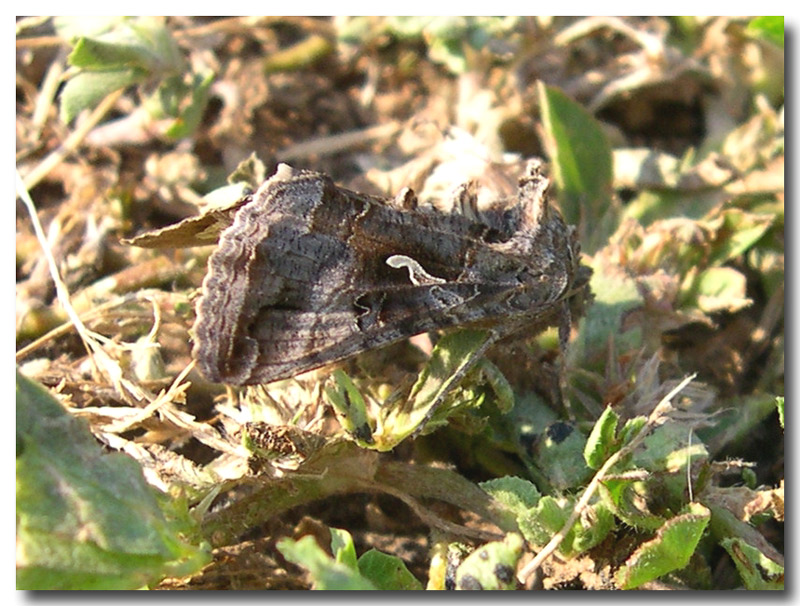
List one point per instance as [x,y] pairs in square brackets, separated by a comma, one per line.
[310,273]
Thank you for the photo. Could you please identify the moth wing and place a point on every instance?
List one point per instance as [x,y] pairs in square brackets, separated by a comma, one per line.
[310,274]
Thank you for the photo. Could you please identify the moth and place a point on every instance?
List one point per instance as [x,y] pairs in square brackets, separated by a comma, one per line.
[309,273]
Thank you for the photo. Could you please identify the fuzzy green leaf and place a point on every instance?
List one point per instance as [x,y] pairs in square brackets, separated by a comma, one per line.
[98,55]
[190,116]
[326,573]
[739,231]
[344,551]
[631,429]
[616,295]
[558,454]
[350,407]
[539,521]
[582,163]
[669,448]
[550,515]
[85,519]
[627,500]
[387,572]
[454,355]
[131,51]
[670,550]
[601,443]
[719,289]
[758,572]
[504,393]
[517,494]
[87,89]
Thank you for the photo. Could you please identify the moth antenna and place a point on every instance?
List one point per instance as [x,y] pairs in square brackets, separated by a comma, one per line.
[405,199]
[533,186]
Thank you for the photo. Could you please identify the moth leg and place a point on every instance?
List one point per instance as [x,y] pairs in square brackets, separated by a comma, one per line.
[564,326]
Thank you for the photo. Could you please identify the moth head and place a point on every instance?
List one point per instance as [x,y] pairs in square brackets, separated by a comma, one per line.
[542,244]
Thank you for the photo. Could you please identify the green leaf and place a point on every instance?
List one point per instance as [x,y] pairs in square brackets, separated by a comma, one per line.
[373,570]
[344,551]
[779,405]
[326,573]
[190,117]
[350,408]
[454,355]
[166,100]
[768,28]
[601,443]
[669,448]
[592,529]
[670,550]
[517,497]
[616,295]
[661,461]
[546,519]
[504,393]
[517,494]
[719,289]
[732,533]
[758,572]
[739,231]
[133,51]
[152,33]
[86,519]
[558,454]
[387,572]
[631,429]
[738,427]
[450,53]
[491,566]
[450,27]
[582,162]
[550,515]
[86,89]
[142,43]
[410,27]
[97,55]
[628,501]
